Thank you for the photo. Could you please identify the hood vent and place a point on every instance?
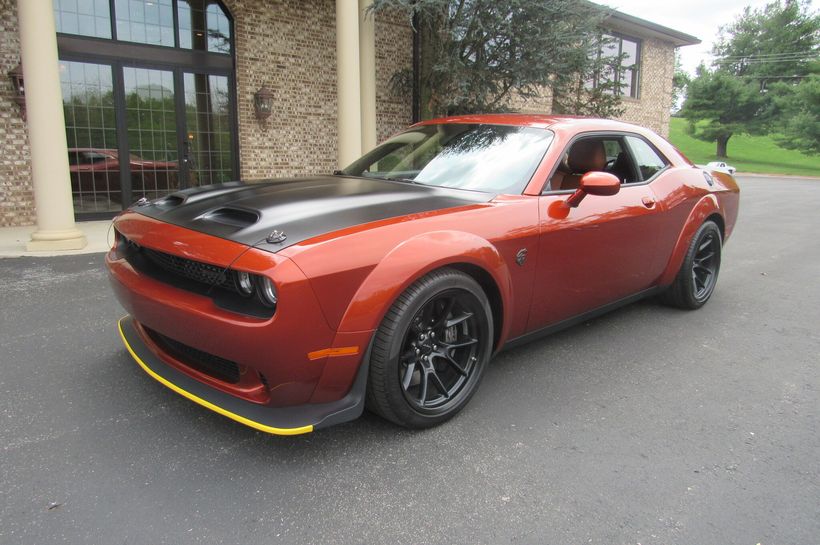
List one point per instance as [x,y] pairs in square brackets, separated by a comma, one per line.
[235,217]
[170,201]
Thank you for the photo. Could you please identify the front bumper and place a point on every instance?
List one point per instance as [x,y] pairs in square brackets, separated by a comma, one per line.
[292,420]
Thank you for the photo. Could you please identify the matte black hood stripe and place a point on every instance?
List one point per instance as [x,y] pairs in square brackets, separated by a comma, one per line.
[299,208]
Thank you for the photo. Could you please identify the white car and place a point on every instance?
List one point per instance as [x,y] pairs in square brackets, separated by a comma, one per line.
[721,166]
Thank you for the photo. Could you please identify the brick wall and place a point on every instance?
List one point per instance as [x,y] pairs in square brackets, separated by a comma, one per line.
[651,108]
[16,194]
[291,46]
[653,105]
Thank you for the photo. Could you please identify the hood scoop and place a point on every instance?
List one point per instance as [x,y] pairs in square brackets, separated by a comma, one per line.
[231,216]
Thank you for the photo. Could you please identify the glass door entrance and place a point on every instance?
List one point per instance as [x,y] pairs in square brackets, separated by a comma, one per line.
[138,132]
[152,133]
[149,98]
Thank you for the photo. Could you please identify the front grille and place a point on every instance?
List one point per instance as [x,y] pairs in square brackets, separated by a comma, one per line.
[190,269]
[220,284]
[209,364]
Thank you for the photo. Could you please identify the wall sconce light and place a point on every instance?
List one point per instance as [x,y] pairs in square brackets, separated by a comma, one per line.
[263,103]
[16,77]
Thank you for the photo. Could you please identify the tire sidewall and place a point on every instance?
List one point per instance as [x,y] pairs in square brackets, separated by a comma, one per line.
[686,270]
[419,294]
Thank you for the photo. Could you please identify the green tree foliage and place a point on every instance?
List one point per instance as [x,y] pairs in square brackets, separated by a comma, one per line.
[762,58]
[774,43]
[799,111]
[719,105]
[477,53]
[680,81]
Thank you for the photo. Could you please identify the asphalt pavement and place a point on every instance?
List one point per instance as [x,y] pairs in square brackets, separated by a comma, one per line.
[646,426]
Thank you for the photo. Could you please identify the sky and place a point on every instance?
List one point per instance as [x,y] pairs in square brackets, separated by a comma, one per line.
[699,18]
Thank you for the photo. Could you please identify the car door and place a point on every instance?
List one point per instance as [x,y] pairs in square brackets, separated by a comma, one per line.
[600,252]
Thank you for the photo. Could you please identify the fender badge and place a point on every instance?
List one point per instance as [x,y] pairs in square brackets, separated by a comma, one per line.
[521,257]
[276,237]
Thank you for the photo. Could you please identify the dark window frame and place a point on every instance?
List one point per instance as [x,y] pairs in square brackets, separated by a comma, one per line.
[117,54]
[635,84]
[546,188]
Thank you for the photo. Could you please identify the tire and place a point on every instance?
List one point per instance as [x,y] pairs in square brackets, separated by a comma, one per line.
[430,351]
[696,280]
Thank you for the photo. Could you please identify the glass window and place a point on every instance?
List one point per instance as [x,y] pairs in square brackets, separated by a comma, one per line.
[624,71]
[492,158]
[203,25]
[91,134]
[83,17]
[145,21]
[649,161]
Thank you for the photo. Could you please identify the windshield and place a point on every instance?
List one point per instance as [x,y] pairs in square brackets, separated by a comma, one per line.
[491,158]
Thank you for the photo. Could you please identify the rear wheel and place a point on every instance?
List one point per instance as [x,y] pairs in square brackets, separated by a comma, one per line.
[696,280]
[430,351]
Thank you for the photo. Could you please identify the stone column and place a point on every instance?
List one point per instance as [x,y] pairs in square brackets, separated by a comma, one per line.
[367,65]
[347,81]
[46,130]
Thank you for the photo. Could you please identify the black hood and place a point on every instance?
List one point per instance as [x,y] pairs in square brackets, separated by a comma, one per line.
[299,209]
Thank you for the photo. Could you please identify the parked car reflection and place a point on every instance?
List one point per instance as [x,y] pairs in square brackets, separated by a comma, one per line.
[95,174]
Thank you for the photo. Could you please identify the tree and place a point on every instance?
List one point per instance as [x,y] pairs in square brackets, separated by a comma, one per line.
[680,81]
[720,105]
[773,48]
[775,43]
[799,111]
[477,53]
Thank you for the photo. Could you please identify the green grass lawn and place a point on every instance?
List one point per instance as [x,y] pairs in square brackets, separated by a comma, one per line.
[747,153]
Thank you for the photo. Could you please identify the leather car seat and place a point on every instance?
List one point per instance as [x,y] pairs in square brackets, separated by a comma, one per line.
[584,156]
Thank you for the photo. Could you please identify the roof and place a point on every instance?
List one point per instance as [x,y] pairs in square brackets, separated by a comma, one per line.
[535,120]
[629,24]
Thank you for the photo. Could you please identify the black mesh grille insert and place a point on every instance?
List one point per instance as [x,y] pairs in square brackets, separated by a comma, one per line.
[193,270]
[209,364]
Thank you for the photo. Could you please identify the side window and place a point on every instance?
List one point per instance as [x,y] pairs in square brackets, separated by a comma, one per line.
[648,161]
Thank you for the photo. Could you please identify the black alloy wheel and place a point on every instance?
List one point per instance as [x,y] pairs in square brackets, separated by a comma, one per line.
[439,351]
[705,265]
[431,350]
[696,280]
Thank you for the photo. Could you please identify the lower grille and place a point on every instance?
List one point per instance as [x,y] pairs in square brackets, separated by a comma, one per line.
[209,364]
[197,271]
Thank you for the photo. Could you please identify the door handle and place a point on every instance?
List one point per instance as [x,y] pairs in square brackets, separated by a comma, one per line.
[648,202]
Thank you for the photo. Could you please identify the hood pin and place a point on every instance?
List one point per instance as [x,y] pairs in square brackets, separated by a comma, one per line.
[275,237]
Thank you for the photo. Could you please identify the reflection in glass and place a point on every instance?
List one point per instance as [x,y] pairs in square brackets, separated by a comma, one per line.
[83,17]
[145,21]
[492,158]
[152,135]
[88,103]
[208,141]
[204,26]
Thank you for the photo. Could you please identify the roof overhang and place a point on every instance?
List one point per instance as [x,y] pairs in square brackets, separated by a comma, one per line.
[641,28]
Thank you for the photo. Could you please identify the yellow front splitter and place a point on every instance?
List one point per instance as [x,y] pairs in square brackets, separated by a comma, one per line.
[273,420]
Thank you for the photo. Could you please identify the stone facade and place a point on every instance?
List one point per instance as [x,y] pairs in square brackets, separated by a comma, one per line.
[653,106]
[16,192]
[289,45]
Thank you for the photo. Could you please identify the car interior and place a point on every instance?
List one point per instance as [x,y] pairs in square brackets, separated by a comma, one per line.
[610,154]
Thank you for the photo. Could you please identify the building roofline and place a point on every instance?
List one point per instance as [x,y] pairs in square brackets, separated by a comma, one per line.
[629,23]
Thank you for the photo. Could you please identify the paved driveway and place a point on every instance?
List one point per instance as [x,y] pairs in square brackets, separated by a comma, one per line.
[649,425]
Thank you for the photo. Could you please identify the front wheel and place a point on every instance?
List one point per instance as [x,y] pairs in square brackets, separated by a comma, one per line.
[430,351]
[696,280]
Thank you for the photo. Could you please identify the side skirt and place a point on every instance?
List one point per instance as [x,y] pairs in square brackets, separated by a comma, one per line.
[575,320]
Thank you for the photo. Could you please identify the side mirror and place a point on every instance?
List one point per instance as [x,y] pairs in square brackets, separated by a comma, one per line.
[594,183]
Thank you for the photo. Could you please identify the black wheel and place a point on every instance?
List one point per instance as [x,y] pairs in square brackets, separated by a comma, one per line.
[431,350]
[698,274]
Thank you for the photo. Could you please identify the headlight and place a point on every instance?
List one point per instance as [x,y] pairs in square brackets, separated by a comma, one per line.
[267,291]
[244,283]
